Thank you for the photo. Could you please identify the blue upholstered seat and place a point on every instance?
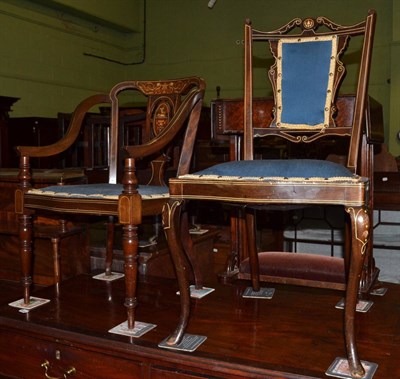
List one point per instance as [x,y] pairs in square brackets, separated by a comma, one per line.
[293,169]
[99,191]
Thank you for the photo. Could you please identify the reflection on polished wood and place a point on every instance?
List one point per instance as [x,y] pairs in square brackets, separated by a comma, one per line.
[295,335]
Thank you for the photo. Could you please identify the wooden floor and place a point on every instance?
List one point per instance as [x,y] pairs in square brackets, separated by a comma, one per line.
[297,334]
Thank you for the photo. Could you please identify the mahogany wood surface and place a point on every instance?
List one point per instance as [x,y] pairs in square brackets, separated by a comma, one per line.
[295,335]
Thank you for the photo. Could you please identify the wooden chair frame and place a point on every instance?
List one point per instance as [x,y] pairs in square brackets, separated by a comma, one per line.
[172,106]
[352,193]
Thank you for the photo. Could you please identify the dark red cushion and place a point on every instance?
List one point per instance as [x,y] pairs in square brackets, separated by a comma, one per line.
[299,265]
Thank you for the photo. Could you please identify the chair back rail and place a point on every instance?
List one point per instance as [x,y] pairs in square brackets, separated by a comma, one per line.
[170,105]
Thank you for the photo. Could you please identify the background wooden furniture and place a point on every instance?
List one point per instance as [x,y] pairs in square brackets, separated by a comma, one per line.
[48,237]
[92,148]
[32,131]
[5,107]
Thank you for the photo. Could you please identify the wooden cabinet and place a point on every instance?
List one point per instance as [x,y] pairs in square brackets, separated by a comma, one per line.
[32,131]
[71,334]
[52,357]
[295,336]
[74,248]
[59,358]
[5,107]
[163,373]
[43,352]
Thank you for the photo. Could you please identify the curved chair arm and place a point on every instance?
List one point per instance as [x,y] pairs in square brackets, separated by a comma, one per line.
[72,132]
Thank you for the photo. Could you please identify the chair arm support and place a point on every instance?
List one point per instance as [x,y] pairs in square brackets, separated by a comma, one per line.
[72,132]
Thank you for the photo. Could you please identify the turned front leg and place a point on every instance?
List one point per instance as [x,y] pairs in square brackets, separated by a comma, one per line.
[25,247]
[130,246]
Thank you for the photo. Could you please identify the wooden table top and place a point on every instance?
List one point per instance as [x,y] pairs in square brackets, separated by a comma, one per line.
[298,333]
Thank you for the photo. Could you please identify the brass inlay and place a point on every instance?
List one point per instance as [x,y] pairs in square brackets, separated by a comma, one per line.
[308,23]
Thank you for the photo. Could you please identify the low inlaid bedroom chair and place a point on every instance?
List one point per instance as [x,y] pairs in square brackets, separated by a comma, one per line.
[173,108]
[306,74]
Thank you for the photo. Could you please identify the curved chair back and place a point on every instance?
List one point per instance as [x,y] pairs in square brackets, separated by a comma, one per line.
[305,76]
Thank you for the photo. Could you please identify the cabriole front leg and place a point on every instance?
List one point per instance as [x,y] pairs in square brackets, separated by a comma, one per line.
[360,225]
[172,227]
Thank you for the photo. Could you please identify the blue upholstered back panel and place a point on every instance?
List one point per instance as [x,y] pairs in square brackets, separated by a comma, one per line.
[304,82]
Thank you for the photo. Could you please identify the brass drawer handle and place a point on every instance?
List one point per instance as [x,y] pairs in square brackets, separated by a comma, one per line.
[46,365]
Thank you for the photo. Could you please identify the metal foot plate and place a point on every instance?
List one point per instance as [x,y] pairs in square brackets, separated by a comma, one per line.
[109,278]
[198,293]
[139,329]
[34,302]
[263,293]
[362,305]
[381,291]
[190,343]
[340,369]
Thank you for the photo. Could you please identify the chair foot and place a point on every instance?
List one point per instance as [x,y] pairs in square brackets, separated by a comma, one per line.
[176,337]
[27,298]
[107,271]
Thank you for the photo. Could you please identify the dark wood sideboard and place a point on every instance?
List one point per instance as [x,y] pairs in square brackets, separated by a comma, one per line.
[6,103]
[72,242]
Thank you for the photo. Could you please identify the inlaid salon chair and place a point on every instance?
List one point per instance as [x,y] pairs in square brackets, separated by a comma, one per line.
[173,109]
[305,75]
